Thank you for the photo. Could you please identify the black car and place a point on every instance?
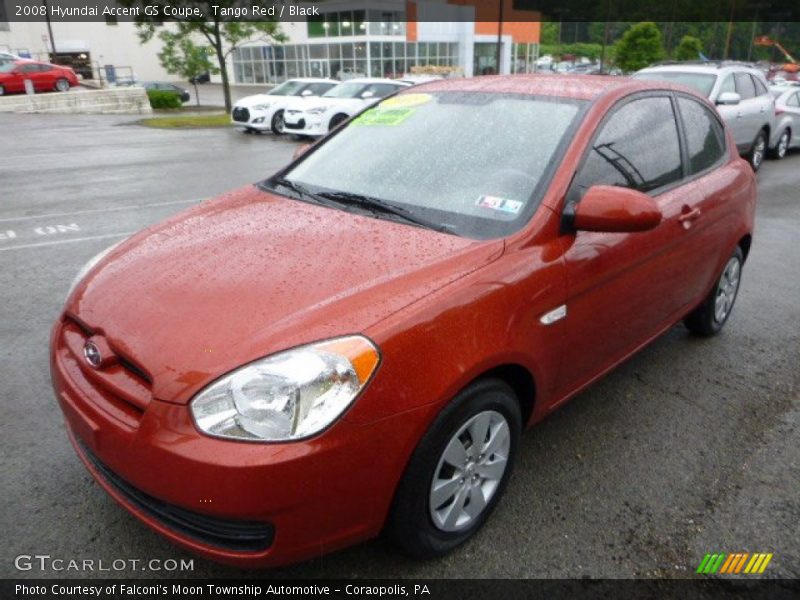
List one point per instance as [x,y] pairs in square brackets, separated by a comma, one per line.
[166,87]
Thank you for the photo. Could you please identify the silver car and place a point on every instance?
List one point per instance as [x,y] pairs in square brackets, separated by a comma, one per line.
[740,94]
[787,118]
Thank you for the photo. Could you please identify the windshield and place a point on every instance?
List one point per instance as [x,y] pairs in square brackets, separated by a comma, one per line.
[702,82]
[287,88]
[473,164]
[345,90]
[7,67]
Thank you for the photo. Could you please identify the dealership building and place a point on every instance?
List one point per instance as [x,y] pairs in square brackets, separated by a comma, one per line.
[349,38]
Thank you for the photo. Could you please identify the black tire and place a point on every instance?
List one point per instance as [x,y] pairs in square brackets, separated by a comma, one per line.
[780,149]
[2,91]
[757,152]
[410,524]
[61,85]
[277,123]
[705,320]
[336,120]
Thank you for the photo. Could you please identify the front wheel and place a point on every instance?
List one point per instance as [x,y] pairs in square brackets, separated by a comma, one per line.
[2,91]
[458,472]
[336,121]
[756,155]
[783,145]
[278,125]
[709,318]
[62,85]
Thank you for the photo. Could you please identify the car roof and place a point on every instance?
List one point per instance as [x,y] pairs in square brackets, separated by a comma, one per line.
[711,68]
[313,80]
[580,87]
[373,80]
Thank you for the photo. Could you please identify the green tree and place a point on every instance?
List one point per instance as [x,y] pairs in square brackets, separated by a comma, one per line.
[689,48]
[182,57]
[223,37]
[639,47]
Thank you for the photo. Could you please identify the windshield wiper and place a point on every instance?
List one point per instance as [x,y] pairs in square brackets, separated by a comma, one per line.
[297,188]
[375,205]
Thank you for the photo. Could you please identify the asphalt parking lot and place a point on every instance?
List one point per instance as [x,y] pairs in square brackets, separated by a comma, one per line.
[690,447]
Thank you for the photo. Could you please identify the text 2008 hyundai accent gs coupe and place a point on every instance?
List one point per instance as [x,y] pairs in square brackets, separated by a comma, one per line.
[354,344]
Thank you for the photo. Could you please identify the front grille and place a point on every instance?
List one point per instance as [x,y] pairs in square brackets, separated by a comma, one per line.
[241,114]
[228,534]
[301,124]
[122,390]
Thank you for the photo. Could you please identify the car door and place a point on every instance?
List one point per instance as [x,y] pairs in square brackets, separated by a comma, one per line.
[750,110]
[31,72]
[733,116]
[625,288]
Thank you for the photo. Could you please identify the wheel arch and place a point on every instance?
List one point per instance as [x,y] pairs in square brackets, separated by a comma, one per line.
[744,243]
[521,381]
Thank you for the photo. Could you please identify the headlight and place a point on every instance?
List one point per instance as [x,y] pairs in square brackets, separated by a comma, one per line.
[287,396]
[88,267]
[316,111]
[261,106]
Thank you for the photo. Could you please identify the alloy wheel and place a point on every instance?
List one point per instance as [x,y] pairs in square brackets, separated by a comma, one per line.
[758,151]
[727,289]
[469,471]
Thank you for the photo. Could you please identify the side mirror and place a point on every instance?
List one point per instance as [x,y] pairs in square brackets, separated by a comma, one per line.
[729,98]
[615,209]
[300,150]
[306,93]
[368,94]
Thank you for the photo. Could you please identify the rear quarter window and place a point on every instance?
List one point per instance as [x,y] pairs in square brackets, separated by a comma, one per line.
[704,135]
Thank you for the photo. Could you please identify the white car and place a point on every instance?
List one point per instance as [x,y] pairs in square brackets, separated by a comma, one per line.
[8,57]
[787,117]
[317,116]
[264,112]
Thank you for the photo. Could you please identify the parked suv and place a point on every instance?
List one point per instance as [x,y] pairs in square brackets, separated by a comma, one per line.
[740,94]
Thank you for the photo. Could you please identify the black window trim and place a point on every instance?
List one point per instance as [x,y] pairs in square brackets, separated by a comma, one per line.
[624,101]
[568,204]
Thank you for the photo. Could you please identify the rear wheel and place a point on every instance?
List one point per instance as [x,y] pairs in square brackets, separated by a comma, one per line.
[277,123]
[2,90]
[62,85]
[783,145]
[458,472]
[756,155]
[709,318]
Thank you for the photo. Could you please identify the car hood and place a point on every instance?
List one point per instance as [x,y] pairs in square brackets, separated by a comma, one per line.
[252,273]
[328,103]
[256,99]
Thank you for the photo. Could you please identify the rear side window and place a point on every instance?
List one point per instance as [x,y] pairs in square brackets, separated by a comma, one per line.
[637,148]
[704,136]
[794,100]
[761,89]
[382,89]
[744,86]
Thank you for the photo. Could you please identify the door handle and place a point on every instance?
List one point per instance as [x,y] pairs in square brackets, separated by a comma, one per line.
[689,215]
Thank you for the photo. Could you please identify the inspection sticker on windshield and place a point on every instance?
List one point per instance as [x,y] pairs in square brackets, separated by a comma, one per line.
[385,117]
[502,204]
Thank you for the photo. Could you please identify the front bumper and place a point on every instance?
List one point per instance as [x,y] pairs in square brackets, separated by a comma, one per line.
[302,498]
[252,118]
[305,124]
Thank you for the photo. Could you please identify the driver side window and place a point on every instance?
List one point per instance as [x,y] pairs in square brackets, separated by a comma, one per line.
[637,148]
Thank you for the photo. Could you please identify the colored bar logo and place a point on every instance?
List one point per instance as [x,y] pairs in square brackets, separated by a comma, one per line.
[734,564]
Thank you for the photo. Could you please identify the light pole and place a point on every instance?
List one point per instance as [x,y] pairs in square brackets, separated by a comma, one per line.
[49,30]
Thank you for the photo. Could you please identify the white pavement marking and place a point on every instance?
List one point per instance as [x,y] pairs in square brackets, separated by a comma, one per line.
[100,210]
[69,241]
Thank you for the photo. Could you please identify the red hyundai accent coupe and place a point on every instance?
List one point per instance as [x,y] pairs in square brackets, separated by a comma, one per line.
[45,77]
[354,345]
